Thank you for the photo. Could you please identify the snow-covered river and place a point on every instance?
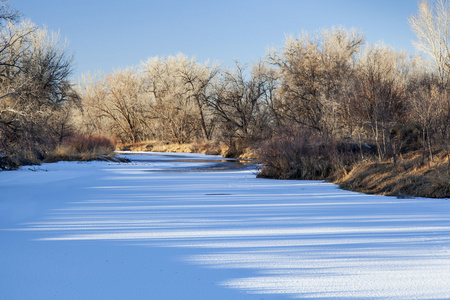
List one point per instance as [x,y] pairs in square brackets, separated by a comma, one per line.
[180,226]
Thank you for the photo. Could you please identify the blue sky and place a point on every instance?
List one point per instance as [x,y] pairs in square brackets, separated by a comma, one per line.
[112,34]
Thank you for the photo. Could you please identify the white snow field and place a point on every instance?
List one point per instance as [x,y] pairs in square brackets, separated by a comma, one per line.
[158,228]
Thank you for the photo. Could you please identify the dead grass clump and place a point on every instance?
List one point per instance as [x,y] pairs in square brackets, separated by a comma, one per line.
[209,148]
[83,148]
[86,143]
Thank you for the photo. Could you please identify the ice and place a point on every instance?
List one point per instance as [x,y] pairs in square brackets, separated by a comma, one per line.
[160,228]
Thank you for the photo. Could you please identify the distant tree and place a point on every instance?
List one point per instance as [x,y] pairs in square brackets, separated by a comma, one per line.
[313,70]
[116,105]
[178,89]
[197,80]
[241,102]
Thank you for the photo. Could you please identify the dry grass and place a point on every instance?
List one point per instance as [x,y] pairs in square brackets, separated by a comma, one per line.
[83,148]
[210,147]
[73,148]
[409,178]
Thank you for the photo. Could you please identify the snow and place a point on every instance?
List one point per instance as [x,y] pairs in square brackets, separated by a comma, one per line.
[165,227]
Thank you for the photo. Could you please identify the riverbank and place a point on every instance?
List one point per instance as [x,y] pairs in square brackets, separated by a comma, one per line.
[411,176]
[209,148]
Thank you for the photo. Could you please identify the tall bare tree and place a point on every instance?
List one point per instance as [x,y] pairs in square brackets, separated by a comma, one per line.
[431,26]
[425,105]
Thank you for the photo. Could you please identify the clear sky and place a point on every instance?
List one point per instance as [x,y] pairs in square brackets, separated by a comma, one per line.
[114,34]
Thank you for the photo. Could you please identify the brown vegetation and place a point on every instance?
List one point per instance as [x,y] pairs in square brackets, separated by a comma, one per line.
[83,148]
[208,147]
[302,155]
[411,177]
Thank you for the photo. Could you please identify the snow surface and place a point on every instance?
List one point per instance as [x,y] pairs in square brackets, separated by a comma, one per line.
[160,228]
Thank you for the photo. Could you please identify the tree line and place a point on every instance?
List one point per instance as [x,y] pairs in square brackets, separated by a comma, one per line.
[331,85]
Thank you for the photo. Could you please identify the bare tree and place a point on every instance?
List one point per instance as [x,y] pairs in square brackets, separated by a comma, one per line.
[300,74]
[432,28]
[241,102]
[312,69]
[116,105]
[425,100]
[92,90]
[339,50]
[197,81]
[164,99]
[178,88]
[35,92]
[381,95]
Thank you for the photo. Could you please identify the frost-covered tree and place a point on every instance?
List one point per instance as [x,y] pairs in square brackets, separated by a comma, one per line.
[163,99]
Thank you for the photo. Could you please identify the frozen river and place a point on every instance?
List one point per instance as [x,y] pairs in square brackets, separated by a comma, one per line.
[189,226]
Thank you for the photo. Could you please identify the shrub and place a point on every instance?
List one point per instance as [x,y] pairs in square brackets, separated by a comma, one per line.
[302,155]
